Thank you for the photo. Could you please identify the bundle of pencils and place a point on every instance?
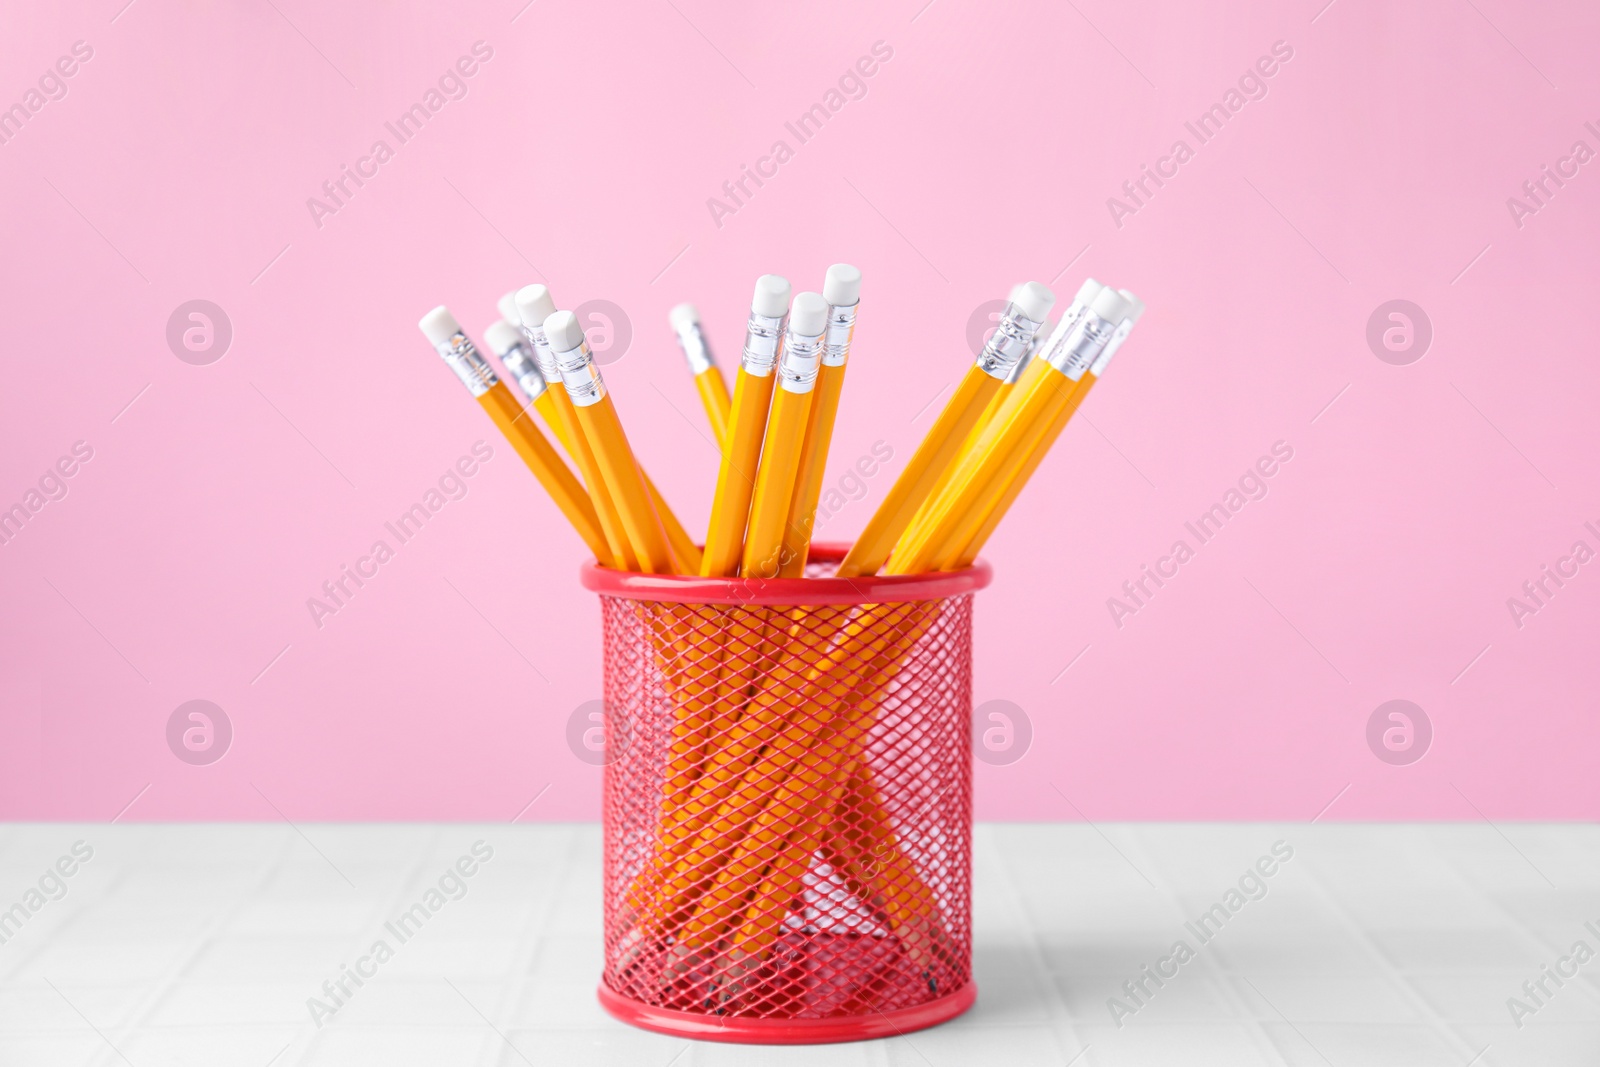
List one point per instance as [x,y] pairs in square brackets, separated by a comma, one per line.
[767,773]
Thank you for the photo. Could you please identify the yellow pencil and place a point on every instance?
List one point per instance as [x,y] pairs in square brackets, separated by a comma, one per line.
[565,422]
[1010,393]
[747,422]
[975,544]
[685,320]
[448,339]
[1005,446]
[786,427]
[753,648]
[1042,343]
[533,305]
[841,288]
[713,710]
[1010,340]
[597,417]
[1007,390]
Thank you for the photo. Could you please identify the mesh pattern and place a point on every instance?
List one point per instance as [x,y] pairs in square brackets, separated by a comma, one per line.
[787,806]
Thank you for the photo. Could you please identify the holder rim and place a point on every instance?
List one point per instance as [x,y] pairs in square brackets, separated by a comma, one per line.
[876,589]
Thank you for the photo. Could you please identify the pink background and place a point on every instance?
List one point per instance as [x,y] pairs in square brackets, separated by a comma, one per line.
[220,497]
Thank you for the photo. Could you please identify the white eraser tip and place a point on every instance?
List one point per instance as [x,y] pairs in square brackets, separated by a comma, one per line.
[683,317]
[501,337]
[438,325]
[772,296]
[1110,305]
[841,287]
[1087,292]
[808,315]
[563,331]
[534,304]
[1136,308]
[507,306]
[1034,300]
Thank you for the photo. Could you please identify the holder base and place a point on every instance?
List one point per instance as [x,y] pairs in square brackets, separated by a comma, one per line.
[788,1031]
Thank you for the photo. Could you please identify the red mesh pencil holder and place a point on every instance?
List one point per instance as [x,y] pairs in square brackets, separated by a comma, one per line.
[788,802]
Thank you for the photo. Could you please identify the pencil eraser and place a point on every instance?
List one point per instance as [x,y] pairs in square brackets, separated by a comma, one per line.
[841,287]
[1034,300]
[502,337]
[438,325]
[563,331]
[808,315]
[683,317]
[534,304]
[1136,306]
[1087,292]
[1110,305]
[508,308]
[772,296]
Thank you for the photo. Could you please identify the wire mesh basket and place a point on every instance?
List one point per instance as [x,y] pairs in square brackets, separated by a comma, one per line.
[788,802]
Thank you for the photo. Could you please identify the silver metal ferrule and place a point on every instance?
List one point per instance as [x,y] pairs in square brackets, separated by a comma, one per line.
[695,349]
[463,358]
[1079,349]
[762,336]
[521,366]
[841,329]
[1098,367]
[1040,336]
[1008,344]
[1059,336]
[581,376]
[1022,364]
[544,359]
[802,356]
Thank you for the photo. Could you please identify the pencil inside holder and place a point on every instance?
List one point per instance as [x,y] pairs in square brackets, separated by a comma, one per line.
[788,823]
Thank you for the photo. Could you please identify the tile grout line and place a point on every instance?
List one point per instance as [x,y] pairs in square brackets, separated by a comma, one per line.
[66,921]
[1248,1021]
[523,965]
[1055,1005]
[203,938]
[383,909]
[1438,1025]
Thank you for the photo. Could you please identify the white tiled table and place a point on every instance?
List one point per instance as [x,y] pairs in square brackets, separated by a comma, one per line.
[1374,945]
